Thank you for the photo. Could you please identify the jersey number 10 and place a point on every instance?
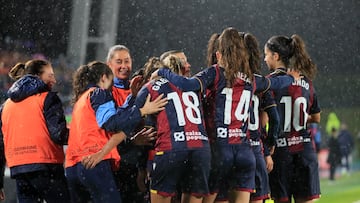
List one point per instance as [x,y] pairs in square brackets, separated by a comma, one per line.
[298,112]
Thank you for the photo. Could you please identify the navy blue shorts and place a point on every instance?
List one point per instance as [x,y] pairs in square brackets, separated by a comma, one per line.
[189,168]
[262,188]
[95,184]
[223,194]
[233,168]
[295,175]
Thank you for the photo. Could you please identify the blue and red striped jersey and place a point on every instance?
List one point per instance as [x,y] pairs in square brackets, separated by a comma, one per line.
[295,103]
[227,108]
[181,125]
[260,102]
[231,104]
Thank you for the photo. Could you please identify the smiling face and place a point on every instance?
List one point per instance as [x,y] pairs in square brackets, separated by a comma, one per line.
[121,64]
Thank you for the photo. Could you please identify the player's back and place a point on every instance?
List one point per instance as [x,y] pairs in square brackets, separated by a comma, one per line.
[231,105]
[180,126]
[295,103]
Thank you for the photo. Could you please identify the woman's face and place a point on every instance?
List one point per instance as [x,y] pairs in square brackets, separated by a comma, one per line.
[108,81]
[48,76]
[121,64]
[269,58]
[186,64]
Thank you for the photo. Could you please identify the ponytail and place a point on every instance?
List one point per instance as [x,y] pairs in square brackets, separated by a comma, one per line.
[301,60]
[293,54]
[80,78]
[212,48]
[32,67]
[283,46]
[252,46]
[17,71]
[235,58]
[87,75]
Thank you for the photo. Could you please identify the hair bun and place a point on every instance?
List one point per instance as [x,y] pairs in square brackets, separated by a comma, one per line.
[17,71]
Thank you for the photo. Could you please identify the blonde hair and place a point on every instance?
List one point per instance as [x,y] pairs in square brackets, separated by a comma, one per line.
[174,63]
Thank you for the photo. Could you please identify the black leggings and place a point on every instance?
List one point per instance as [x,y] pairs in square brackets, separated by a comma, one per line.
[49,185]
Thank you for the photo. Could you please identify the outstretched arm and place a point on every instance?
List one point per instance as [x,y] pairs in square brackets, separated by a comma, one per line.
[110,119]
[283,81]
[183,83]
[280,82]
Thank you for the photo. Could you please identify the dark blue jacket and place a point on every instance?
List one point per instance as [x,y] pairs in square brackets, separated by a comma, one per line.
[54,116]
[346,142]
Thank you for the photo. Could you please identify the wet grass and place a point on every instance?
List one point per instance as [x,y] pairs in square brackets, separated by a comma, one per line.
[345,189]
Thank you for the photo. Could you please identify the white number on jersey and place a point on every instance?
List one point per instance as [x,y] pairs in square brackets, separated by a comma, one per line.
[255,126]
[242,108]
[192,111]
[297,110]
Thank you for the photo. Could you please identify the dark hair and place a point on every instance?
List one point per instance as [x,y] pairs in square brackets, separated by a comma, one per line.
[212,47]
[301,59]
[282,46]
[235,58]
[150,66]
[293,54]
[252,46]
[139,72]
[165,54]
[86,75]
[33,67]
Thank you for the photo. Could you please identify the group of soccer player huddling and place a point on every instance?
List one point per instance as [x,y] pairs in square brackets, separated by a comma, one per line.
[224,134]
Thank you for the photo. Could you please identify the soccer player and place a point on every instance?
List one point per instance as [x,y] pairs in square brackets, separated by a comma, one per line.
[262,101]
[230,83]
[295,174]
[185,70]
[182,148]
